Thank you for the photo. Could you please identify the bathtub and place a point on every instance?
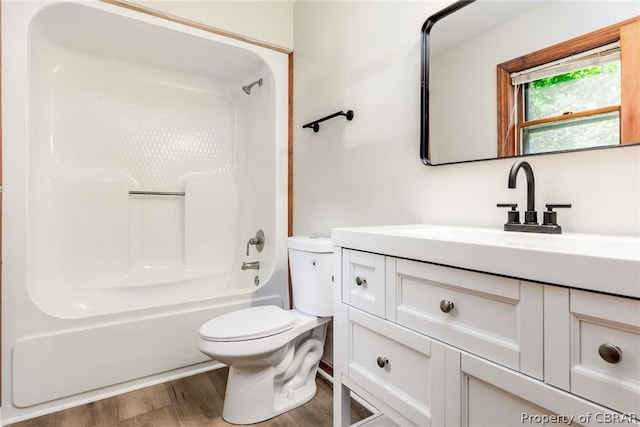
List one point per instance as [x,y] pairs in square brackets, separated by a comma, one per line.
[135,171]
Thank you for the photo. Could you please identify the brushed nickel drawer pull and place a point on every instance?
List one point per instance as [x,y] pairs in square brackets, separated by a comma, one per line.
[360,280]
[610,353]
[382,361]
[446,306]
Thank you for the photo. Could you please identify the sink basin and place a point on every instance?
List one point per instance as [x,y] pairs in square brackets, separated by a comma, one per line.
[594,262]
[583,244]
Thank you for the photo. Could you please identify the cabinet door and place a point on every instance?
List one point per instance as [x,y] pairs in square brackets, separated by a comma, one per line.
[605,349]
[363,281]
[488,395]
[397,370]
[495,317]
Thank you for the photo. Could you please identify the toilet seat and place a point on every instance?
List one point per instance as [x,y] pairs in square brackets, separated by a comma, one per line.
[248,324]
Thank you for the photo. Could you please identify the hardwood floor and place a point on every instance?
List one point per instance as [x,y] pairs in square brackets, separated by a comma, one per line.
[194,401]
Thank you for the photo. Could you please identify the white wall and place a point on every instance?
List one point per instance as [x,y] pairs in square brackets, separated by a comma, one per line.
[365,57]
[266,21]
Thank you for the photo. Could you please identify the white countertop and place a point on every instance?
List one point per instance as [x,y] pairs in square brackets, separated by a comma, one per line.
[602,263]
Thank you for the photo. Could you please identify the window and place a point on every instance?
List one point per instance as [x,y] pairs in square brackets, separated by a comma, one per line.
[577,94]
[574,103]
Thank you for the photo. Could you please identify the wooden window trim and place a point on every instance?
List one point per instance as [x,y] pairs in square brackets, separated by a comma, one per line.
[628,32]
[630,68]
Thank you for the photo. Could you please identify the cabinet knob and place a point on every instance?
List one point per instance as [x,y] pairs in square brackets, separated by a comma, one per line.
[610,353]
[382,361]
[360,280]
[446,306]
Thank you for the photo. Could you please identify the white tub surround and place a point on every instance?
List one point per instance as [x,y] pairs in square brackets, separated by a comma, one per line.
[445,325]
[104,288]
[163,115]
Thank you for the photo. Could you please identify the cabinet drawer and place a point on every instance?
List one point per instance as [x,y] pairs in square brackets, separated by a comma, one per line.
[393,364]
[363,282]
[611,324]
[485,394]
[494,317]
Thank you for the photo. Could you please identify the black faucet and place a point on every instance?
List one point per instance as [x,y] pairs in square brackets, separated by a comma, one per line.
[549,225]
[530,215]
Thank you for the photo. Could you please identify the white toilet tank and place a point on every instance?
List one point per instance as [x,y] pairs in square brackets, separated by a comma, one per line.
[311,265]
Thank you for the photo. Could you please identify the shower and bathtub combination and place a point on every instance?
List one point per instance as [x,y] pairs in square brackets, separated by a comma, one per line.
[140,159]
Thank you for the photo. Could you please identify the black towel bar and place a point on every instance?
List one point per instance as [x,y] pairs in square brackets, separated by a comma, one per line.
[315,125]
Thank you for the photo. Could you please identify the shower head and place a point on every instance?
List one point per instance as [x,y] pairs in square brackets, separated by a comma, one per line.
[247,89]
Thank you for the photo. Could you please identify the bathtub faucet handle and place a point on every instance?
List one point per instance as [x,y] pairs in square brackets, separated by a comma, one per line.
[258,241]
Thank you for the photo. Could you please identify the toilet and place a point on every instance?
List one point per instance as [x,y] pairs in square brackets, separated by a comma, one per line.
[273,353]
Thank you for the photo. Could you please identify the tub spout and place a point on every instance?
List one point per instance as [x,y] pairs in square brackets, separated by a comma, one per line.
[250,265]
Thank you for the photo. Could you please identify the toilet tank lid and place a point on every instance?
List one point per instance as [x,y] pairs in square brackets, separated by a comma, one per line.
[310,244]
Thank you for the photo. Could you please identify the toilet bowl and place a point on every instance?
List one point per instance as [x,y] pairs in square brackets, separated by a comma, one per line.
[272,353]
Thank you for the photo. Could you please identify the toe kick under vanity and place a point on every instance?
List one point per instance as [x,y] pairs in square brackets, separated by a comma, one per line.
[453,326]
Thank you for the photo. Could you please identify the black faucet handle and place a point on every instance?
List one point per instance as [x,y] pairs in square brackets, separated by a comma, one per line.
[551,217]
[513,216]
[552,206]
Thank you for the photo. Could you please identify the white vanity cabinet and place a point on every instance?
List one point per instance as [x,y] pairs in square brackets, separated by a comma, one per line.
[363,279]
[432,345]
[594,346]
[483,394]
[396,369]
[495,317]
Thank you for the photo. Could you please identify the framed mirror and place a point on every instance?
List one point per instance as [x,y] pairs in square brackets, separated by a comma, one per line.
[508,79]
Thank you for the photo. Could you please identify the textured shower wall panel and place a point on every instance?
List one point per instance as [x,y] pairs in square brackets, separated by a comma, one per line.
[150,109]
[103,291]
[157,127]
[111,127]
